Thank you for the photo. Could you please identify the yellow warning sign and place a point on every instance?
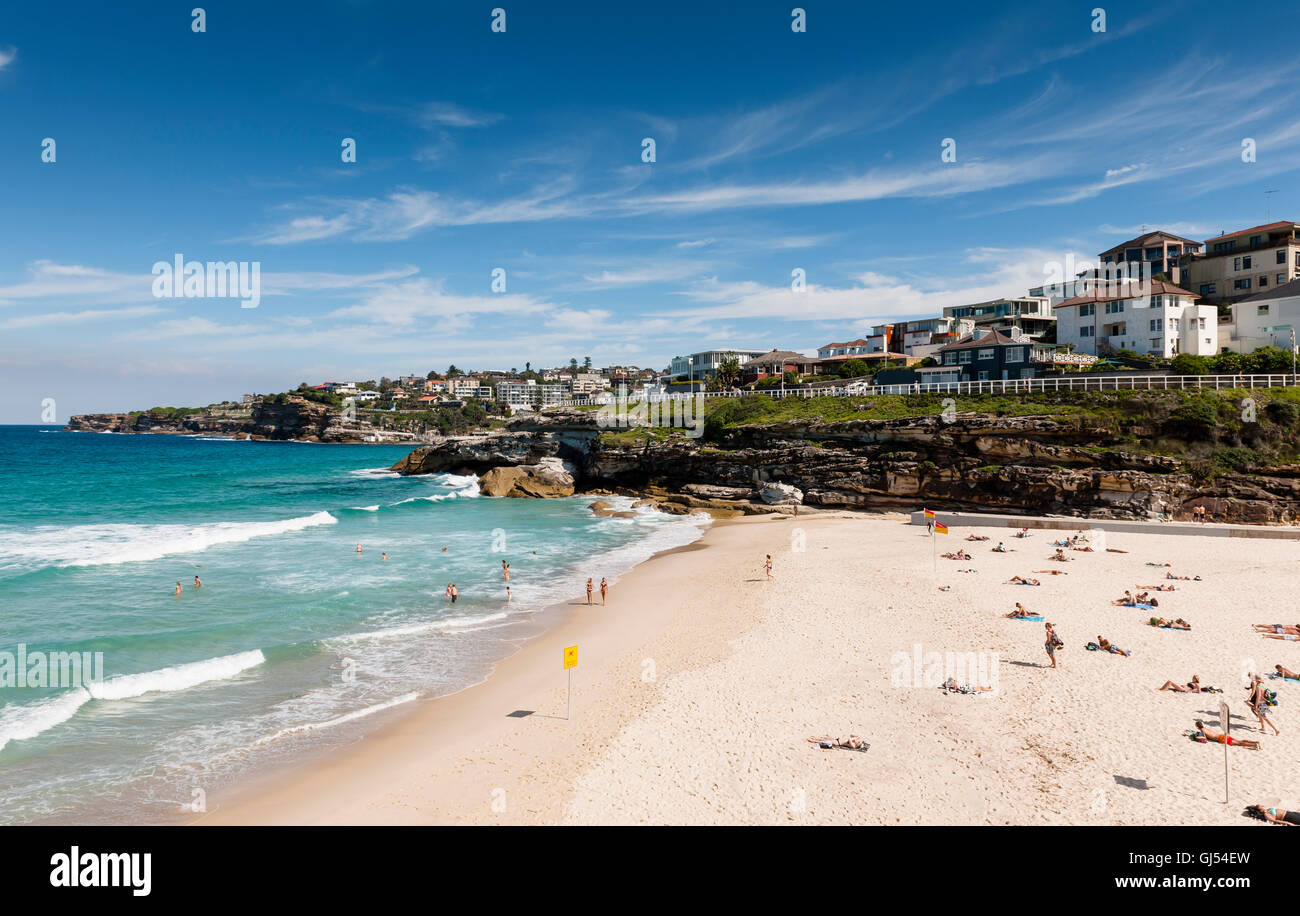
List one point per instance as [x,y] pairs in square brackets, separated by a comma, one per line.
[571,657]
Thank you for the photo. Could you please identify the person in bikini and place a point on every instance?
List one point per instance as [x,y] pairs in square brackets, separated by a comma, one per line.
[852,741]
[1177,623]
[604,589]
[1051,643]
[1020,612]
[1258,701]
[1021,580]
[589,589]
[1192,686]
[1276,815]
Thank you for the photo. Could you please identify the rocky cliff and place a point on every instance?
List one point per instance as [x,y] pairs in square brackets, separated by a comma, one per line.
[1080,465]
[293,418]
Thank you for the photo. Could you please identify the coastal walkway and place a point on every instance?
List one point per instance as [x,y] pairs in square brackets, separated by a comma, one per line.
[1071,523]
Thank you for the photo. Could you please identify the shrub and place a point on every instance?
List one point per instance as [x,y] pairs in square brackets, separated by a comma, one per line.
[1188,364]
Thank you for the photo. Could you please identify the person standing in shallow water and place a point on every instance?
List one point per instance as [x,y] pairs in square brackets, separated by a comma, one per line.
[455,593]
[178,589]
[198,583]
[505,570]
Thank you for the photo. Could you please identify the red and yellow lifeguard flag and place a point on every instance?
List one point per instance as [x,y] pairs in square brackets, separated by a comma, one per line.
[940,528]
[929,513]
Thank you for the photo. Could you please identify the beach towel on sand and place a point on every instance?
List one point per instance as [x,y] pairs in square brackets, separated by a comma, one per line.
[1278,677]
[1039,619]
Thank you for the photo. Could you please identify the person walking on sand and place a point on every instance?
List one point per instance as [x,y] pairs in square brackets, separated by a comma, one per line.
[198,583]
[589,588]
[178,589]
[604,590]
[767,566]
[1258,700]
[1051,643]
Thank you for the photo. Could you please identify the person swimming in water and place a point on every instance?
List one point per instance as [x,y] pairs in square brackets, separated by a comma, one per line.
[358,548]
[178,589]
[384,557]
[198,583]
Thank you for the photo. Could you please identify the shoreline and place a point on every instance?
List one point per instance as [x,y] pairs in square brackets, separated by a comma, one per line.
[698,686]
[438,733]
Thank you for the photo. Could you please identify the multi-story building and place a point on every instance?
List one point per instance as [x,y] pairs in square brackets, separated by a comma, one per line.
[1160,251]
[859,347]
[1163,320]
[987,355]
[436,386]
[679,367]
[700,365]
[772,363]
[1240,264]
[584,384]
[469,387]
[1033,315]
[1266,319]
[1112,275]
[529,395]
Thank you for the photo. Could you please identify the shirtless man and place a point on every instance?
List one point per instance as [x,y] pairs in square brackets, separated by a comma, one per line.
[1286,672]
[198,583]
[1211,734]
[1021,611]
[1107,646]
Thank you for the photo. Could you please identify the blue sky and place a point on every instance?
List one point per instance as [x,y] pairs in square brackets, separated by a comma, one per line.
[522,150]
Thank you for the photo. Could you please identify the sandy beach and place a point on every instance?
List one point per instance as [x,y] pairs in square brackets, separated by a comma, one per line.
[697,687]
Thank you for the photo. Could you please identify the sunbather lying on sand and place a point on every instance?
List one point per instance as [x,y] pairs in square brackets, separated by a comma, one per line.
[977,537]
[1177,623]
[1160,564]
[1052,572]
[1292,628]
[1115,550]
[1192,686]
[1021,580]
[1144,598]
[951,686]
[1211,734]
[1060,556]
[1127,601]
[957,555]
[1275,815]
[852,741]
[1107,646]
[1160,588]
[1179,578]
[1286,672]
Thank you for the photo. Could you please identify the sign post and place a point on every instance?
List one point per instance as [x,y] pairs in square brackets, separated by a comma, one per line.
[1223,716]
[570,662]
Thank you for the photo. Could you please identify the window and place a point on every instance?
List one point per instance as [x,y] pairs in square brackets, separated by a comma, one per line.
[983,376]
[1297,259]
[1015,355]
[1281,256]
[950,359]
[1241,284]
[1207,289]
[985,354]
[1256,239]
[1201,323]
[1154,324]
[1245,263]
[963,356]
[1087,331]
[1261,311]
[1155,344]
[1086,310]
[1236,263]
[1114,307]
[1263,281]
[1281,278]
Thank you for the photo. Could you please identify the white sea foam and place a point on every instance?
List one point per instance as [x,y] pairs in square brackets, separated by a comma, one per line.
[414,629]
[338,720]
[99,545]
[21,722]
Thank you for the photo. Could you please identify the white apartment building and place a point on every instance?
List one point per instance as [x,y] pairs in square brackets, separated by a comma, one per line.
[859,347]
[1266,319]
[529,395]
[584,384]
[705,363]
[1164,322]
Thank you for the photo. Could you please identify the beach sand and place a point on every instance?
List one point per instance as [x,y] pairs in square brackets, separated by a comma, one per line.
[697,687]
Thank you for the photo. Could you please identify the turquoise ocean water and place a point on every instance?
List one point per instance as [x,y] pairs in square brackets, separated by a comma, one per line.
[295,645]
